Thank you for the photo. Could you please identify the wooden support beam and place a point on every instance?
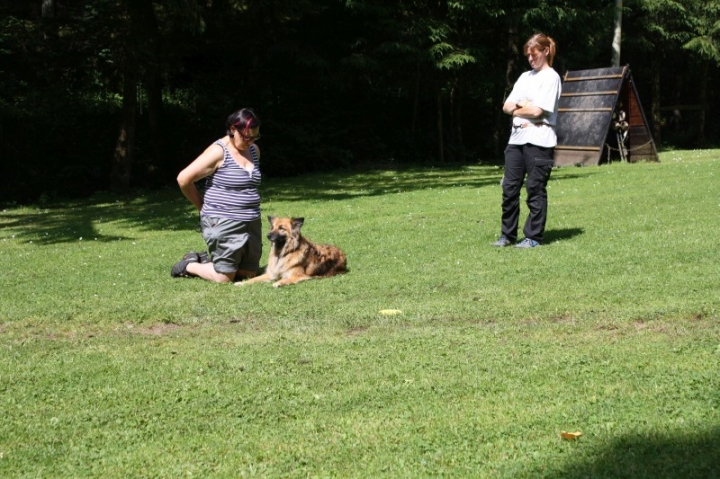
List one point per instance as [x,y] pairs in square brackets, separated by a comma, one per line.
[590,93]
[581,110]
[577,148]
[596,77]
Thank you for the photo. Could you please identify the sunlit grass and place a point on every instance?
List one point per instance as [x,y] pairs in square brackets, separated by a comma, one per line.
[110,368]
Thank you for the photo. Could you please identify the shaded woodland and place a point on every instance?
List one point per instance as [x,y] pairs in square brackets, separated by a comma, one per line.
[122,94]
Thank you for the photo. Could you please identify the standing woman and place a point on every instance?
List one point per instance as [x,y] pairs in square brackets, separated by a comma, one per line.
[230,208]
[533,105]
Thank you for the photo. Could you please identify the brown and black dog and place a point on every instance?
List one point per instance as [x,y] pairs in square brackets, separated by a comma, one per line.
[294,258]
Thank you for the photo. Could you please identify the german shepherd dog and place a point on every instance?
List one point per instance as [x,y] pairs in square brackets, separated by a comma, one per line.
[294,258]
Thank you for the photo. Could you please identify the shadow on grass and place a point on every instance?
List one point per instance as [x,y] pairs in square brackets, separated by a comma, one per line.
[70,221]
[67,221]
[551,236]
[695,455]
[352,184]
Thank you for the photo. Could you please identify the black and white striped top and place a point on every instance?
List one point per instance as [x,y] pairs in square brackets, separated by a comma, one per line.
[232,192]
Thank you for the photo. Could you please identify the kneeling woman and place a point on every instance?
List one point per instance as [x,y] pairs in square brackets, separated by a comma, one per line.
[230,207]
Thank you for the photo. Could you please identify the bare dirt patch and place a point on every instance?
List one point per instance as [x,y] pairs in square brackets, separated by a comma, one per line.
[157,329]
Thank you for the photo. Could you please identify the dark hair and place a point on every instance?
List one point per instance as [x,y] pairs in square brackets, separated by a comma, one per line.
[243,120]
[540,41]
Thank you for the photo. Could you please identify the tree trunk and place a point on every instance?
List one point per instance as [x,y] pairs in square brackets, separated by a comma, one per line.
[144,28]
[48,8]
[125,145]
[511,68]
[441,145]
[155,115]
[617,36]
[511,65]
[655,106]
[457,140]
[416,100]
[702,114]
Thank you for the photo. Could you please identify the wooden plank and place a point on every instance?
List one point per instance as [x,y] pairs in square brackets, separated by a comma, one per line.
[640,141]
[580,110]
[574,158]
[596,77]
[585,111]
[592,93]
[577,148]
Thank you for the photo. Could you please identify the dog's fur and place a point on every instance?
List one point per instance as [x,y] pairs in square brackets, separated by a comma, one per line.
[294,258]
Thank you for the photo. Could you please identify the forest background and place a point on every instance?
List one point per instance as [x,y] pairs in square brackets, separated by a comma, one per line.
[122,94]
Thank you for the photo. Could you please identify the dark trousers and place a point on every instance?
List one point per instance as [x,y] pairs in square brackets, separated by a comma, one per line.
[536,162]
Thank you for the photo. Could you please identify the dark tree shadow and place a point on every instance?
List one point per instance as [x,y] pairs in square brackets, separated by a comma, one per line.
[349,184]
[684,456]
[70,221]
[67,221]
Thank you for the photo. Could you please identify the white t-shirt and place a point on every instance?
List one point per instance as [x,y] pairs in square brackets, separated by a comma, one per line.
[543,89]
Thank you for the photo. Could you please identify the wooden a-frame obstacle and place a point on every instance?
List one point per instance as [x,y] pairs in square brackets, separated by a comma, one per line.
[599,111]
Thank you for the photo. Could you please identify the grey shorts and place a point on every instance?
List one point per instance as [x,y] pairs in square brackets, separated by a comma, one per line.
[232,244]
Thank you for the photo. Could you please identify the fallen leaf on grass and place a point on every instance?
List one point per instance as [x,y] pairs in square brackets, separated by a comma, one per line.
[570,435]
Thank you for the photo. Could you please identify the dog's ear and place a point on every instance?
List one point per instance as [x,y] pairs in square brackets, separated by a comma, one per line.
[271,219]
[297,222]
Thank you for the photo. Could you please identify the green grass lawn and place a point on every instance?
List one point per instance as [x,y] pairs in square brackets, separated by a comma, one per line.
[110,368]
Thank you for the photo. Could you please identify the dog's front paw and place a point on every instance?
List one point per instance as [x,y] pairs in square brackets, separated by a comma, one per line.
[239,283]
[277,284]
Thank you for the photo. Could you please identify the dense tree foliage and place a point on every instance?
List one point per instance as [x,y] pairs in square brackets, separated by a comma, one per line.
[100,94]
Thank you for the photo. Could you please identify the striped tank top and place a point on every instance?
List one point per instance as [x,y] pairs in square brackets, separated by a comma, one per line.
[232,192]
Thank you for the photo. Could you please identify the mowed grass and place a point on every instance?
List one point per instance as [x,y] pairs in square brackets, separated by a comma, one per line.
[110,368]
